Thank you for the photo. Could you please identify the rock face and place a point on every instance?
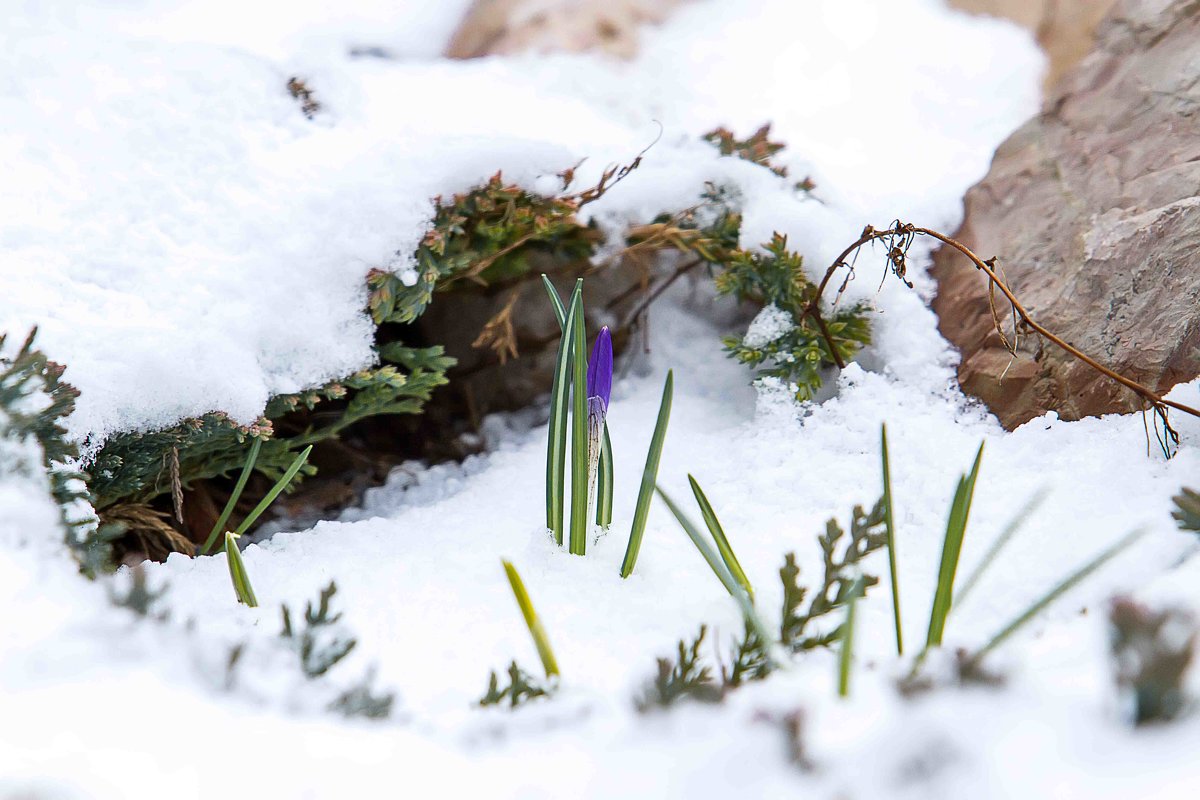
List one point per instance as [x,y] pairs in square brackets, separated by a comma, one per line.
[504,27]
[1064,28]
[1093,210]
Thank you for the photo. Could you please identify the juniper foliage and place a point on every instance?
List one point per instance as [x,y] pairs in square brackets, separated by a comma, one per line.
[521,688]
[841,570]
[318,644]
[33,401]
[684,678]
[776,277]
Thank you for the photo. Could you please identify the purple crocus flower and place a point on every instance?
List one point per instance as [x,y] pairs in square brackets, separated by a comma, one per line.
[599,389]
[599,375]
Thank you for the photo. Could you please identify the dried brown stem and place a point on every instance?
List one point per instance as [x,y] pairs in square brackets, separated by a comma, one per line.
[905,232]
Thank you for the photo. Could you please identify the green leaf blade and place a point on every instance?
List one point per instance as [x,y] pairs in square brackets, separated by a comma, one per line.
[540,640]
[579,437]
[718,533]
[649,477]
[604,484]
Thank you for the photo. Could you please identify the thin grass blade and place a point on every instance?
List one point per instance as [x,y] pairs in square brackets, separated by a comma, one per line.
[556,436]
[1068,583]
[649,477]
[279,486]
[718,533]
[604,483]
[540,640]
[247,468]
[579,437]
[846,638]
[1002,540]
[956,528]
[889,521]
[237,572]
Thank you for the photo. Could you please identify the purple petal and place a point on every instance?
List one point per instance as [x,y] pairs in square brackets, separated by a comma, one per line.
[600,368]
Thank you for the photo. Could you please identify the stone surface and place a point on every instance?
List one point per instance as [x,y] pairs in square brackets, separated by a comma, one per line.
[1064,28]
[504,27]
[1092,209]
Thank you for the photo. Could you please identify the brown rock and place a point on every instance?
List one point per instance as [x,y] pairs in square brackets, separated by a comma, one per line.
[504,27]
[1064,28]
[1092,208]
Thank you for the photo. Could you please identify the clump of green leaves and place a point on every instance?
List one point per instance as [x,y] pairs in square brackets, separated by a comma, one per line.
[686,677]
[521,688]
[842,569]
[796,352]
[319,646]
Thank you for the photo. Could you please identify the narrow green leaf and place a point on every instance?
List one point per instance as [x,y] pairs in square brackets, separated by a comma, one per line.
[846,638]
[237,572]
[649,477]
[279,486]
[560,313]
[718,534]
[1002,540]
[710,555]
[723,574]
[251,457]
[889,521]
[540,640]
[579,437]
[604,483]
[1064,586]
[956,528]
[556,436]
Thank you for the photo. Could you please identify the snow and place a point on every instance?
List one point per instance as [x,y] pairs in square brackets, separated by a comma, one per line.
[770,323]
[163,185]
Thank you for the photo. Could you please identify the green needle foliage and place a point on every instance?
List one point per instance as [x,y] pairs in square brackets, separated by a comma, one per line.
[33,401]
[718,534]
[889,521]
[521,688]
[318,644]
[842,572]
[684,678]
[777,278]
[649,477]
[846,640]
[956,528]
[1064,586]
[237,572]
[556,441]
[540,640]
[604,483]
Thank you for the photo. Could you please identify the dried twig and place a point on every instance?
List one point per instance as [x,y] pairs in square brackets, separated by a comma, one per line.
[899,238]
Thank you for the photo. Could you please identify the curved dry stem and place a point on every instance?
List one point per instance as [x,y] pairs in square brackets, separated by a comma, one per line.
[901,235]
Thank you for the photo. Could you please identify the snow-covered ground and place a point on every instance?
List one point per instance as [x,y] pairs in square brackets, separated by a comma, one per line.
[159,183]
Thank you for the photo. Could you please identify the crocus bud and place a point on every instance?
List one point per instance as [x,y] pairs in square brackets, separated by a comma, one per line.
[599,389]
[599,374]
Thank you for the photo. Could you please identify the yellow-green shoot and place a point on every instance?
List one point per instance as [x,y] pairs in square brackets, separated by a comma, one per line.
[540,640]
